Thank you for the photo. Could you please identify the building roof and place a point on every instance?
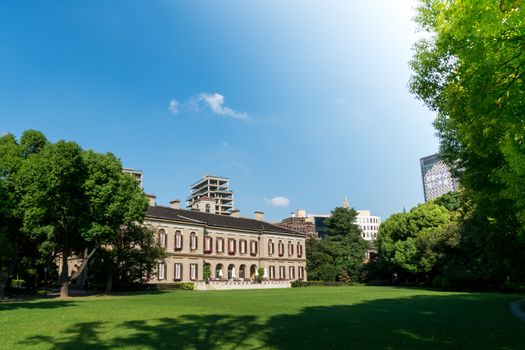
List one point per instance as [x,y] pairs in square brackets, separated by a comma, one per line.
[215,220]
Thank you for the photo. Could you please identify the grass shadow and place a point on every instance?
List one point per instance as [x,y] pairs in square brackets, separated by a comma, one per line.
[188,331]
[36,303]
[420,322]
[83,335]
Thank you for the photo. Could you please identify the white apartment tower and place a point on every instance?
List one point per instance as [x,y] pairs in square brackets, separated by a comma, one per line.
[137,174]
[216,188]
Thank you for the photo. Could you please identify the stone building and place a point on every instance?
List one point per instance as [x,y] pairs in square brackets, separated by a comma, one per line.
[234,248]
[298,222]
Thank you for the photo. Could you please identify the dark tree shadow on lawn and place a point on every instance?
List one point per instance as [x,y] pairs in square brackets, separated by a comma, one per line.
[195,332]
[79,336]
[188,331]
[422,322]
[37,303]
[460,321]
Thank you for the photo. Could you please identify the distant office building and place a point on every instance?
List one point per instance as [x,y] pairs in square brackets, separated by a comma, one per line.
[215,188]
[368,223]
[137,174]
[436,176]
[298,222]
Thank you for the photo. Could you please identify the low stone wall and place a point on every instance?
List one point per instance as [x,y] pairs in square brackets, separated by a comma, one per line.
[229,285]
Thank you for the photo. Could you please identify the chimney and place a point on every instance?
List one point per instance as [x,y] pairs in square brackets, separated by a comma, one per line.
[151,199]
[236,213]
[258,215]
[175,204]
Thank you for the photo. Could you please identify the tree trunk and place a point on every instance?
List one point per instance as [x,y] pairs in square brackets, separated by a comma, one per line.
[4,276]
[109,285]
[64,274]
[85,260]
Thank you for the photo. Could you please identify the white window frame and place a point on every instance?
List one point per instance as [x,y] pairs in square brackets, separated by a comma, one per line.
[177,272]
[243,246]
[193,241]
[282,272]
[178,240]
[220,245]
[193,272]
[161,271]
[208,244]
[163,238]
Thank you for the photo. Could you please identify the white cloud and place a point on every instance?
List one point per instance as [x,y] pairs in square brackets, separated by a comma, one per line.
[174,106]
[216,103]
[278,201]
[339,100]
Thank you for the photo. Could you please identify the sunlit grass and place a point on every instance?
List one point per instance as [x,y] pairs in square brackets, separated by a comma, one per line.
[303,318]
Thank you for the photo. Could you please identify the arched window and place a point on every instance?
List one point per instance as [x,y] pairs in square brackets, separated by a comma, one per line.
[208,208]
[271,272]
[280,247]
[231,272]
[282,272]
[177,273]
[232,246]
[193,272]
[270,247]
[291,273]
[290,248]
[299,250]
[243,246]
[242,271]
[218,271]
[161,271]
[178,240]
[163,238]
[193,241]
[208,244]
[220,245]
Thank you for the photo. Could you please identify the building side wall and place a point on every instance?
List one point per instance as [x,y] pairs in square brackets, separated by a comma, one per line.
[226,259]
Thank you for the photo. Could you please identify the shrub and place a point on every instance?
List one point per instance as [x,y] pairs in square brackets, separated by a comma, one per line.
[299,283]
[260,275]
[18,283]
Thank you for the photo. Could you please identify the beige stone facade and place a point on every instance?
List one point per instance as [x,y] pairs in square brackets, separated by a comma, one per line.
[234,248]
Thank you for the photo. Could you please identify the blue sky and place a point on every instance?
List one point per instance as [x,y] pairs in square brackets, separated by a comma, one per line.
[305,100]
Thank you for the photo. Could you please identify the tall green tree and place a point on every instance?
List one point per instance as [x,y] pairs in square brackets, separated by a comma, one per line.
[471,71]
[409,243]
[132,249]
[14,243]
[76,201]
[341,253]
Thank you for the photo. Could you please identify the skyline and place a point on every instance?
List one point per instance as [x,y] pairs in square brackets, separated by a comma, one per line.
[298,105]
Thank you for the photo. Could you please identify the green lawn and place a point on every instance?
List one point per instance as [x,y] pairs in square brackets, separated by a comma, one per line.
[355,317]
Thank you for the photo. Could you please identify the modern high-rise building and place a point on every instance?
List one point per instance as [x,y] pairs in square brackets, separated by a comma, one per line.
[216,188]
[436,176]
[137,174]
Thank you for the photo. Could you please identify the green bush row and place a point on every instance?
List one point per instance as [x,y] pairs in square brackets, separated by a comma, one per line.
[177,285]
[296,284]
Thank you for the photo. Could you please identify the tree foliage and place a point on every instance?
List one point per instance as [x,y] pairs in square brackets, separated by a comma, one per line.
[411,243]
[60,200]
[340,255]
[471,72]
[15,247]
